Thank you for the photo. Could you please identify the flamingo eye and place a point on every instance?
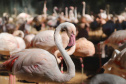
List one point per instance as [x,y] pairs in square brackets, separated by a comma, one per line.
[63,30]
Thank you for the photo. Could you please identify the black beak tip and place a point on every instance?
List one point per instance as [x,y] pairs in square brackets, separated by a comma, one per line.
[68,47]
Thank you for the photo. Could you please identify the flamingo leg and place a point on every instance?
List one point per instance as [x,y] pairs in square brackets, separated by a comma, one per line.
[99,56]
[14,79]
[10,79]
[61,65]
[82,69]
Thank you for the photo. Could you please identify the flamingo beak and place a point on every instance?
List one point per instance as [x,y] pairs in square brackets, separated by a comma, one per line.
[71,41]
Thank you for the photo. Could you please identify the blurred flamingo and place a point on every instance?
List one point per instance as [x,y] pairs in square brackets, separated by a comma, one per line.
[28,39]
[84,48]
[117,40]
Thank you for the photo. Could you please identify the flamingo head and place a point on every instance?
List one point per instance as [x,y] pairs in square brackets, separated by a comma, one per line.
[70,29]
[83,3]
[55,8]
[66,8]
[71,7]
[75,7]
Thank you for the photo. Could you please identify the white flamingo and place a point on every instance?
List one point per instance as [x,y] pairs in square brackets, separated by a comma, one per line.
[28,39]
[19,35]
[10,44]
[44,11]
[87,16]
[23,16]
[71,14]
[38,65]
[45,40]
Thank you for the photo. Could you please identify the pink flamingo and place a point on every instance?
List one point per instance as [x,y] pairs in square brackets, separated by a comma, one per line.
[9,45]
[84,48]
[38,65]
[45,40]
[28,39]
[116,40]
[87,16]
[19,35]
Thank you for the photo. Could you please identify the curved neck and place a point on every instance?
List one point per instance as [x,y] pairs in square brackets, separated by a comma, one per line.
[54,10]
[19,33]
[72,50]
[26,11]
[71,15]
[44,8]
[75,11]
[83,11]
[66,12]
[22,34]
[70,65]
[15,11]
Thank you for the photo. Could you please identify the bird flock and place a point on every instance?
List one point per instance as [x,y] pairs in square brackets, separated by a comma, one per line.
[36,45]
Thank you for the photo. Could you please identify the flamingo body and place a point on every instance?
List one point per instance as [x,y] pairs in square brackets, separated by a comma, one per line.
[116,38]
[21,43]
[44,40]
[28,40]
[84,48]
[8,43]
[37,65]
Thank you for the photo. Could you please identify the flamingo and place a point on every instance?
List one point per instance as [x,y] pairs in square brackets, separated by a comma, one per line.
[23,16]
[44,11]
[66,14]
[71,14]
[84,48]
[54,16]
[45,40]
[28,39]
[116,40]
[38,65]
[9,45]
[41,18]
[107,79]
[117,64]
[19,39]
[87,16]
[76,19]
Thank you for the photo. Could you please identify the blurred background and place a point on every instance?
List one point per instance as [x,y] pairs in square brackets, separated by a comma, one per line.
[36,6]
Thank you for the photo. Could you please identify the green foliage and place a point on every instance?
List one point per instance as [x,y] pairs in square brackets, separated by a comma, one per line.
[36,6]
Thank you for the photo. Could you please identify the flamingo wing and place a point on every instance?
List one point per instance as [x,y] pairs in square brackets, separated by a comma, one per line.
[44,40]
